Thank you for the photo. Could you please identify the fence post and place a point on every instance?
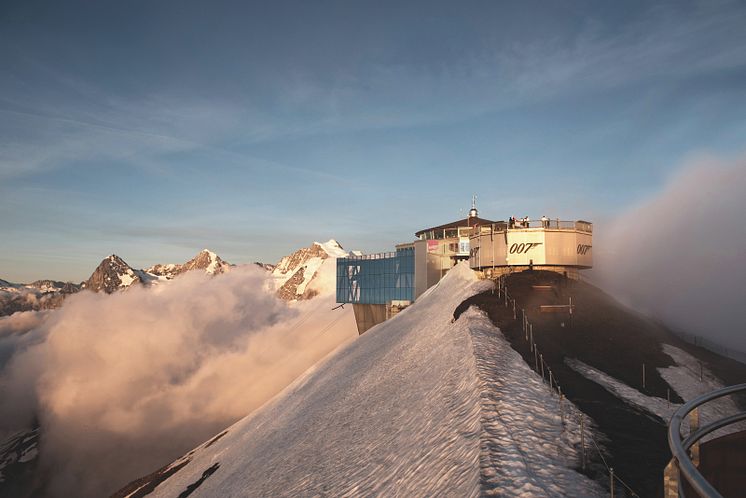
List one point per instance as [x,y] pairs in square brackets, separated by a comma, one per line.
[693,426]
[514,316]
[551,379]
[611,481]
[531,331]
[643,375]
[541,357]
[536,358]
[582,440]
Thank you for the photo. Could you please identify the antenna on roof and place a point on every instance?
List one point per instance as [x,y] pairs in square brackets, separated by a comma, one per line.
[473,211]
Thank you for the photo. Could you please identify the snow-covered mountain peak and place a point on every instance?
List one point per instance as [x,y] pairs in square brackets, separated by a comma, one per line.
[112,274]
[332,248]
[308,271]
[205,260]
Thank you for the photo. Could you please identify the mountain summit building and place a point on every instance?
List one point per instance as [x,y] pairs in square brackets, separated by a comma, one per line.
[380,285]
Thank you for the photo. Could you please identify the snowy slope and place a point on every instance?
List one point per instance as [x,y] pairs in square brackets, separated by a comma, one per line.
[410,408]
[684,378]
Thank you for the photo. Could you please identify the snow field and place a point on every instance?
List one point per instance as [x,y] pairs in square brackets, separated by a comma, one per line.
[526,450]
[684,379]
[417,406]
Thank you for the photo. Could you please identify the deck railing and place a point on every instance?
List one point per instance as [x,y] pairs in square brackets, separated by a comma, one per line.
[556,224]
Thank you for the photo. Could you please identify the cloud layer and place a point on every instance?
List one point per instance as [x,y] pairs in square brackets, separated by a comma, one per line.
[680,255]
[124,383]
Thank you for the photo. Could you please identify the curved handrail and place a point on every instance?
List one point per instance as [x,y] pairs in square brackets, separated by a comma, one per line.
[679,447]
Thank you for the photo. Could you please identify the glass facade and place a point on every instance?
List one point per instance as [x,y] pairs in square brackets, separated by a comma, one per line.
[376,278]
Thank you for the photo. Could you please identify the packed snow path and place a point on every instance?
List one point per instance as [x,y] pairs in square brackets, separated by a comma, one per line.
[418,406]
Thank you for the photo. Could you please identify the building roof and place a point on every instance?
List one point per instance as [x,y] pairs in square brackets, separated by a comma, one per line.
[463,222]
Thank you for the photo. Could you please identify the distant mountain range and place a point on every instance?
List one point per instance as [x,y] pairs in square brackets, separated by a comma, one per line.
[112,274]
[292,276]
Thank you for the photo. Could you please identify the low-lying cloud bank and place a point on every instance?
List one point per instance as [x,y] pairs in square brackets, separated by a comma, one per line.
[124,383]
[681,255]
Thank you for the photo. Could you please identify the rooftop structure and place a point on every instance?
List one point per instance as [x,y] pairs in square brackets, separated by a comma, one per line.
[565,246]
[379,285]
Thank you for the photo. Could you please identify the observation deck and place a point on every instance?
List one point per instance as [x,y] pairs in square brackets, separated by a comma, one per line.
[547,244]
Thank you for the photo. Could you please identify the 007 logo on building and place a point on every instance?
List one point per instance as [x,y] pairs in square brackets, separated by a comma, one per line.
[583,248]
[523,247]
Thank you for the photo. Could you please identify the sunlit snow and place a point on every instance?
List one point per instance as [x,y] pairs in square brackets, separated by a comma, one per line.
[417,406]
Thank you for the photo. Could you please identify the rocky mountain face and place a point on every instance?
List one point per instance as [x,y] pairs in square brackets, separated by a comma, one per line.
[39,295]
[19,464]
[206,260]
[294,272]
[112,274]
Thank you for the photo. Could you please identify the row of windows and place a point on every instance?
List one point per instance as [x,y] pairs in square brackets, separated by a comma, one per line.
[376,281]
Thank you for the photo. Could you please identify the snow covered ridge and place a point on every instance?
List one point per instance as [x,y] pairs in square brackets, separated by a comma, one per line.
[115,274]
[39,295]
[111,275]
[294,273]
[418,406]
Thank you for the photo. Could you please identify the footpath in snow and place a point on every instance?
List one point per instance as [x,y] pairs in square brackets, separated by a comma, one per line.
[417,406]
[688,378]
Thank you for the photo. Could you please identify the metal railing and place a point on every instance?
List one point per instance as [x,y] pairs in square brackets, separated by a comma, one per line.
[555,224]
[680,446]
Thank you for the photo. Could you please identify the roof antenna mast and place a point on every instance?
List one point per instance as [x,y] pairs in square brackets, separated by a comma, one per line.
[473,210]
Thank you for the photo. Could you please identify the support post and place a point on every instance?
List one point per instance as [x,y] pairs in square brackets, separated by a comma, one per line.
[582,441]
[611,481]
[643,375]
[536,358]
[693,427]
[541,357]
[671,480]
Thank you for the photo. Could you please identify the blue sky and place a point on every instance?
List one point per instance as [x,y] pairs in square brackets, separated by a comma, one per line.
[155,129]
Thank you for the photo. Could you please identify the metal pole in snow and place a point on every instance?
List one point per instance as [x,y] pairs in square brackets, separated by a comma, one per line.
[643,376]
[551,379]
[611,481]
[582,440]
[531,331]
[536,358]
[514,315]
[541,357]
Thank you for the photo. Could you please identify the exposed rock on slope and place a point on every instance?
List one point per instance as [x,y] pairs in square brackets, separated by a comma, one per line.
[206,260]
[39,295]
[294,273]
[112,274]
